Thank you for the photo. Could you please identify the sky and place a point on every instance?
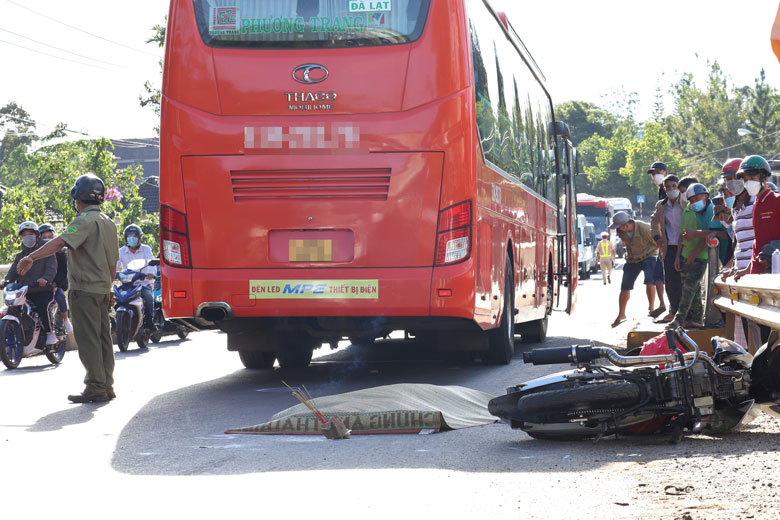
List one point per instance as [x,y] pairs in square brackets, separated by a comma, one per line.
[586,50]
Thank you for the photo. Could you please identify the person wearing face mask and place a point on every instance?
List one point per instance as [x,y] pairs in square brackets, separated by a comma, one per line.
[61,280]
[135,253]
[691,258]
[755,171]
[665,225]
[741,204]
[641,253]
[728,174]
[39,292]
[683,186]
[658,173]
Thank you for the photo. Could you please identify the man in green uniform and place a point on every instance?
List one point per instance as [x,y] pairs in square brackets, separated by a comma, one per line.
[93,250]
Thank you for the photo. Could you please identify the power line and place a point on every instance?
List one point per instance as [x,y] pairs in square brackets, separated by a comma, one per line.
[121,142]
[81,30]
[702,155]
[30,122]
[53,55]
[57,48]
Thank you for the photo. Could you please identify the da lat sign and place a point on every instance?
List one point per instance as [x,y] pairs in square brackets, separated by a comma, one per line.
[357,6]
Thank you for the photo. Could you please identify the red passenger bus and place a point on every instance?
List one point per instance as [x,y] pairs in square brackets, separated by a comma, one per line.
[342,169]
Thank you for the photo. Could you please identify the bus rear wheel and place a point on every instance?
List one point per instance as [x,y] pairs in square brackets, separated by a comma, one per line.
[501,341]
[294,350]
[533,331]
[257,360]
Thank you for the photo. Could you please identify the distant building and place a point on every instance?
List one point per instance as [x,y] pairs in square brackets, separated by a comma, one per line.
[149,191]
[143,152]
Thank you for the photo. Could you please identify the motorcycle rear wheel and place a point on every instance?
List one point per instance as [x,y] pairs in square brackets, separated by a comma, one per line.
[10,343]
[55,354]
[560,404]
[159,321]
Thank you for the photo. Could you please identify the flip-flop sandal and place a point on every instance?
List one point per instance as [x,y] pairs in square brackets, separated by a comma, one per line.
[666,319]
[657,312]
[617,322]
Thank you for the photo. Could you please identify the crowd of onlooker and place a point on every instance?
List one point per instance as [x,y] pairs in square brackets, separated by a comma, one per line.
[741,223]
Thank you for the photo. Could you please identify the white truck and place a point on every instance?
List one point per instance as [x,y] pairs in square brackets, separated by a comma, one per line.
[585,256]
[622,204]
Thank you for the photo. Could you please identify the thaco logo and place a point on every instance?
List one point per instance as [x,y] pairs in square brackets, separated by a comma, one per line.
[310,73]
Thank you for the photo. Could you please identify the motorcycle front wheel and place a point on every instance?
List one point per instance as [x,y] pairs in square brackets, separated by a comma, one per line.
[11,348]
[562,404]
[122,330]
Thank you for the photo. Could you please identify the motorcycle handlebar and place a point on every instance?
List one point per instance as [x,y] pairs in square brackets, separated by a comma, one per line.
[560,355]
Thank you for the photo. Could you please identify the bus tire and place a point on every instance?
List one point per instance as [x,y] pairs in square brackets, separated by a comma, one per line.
[294,351]
[501,340]
[533,331]
[257,360]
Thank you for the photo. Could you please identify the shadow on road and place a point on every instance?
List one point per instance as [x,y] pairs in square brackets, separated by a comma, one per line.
[75,414]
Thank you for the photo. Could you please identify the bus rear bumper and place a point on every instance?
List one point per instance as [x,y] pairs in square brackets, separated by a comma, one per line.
[318,292]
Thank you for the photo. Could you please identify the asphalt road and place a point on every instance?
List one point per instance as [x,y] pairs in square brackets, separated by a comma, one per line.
[159,448]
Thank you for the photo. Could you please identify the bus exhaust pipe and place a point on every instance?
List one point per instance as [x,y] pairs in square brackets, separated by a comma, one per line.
[214,311]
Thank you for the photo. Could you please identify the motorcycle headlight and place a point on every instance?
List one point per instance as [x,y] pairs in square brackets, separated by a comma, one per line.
[9,298]
[126,277]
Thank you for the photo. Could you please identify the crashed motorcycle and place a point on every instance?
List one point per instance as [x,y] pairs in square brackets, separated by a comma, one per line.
[611,394]
[21,329]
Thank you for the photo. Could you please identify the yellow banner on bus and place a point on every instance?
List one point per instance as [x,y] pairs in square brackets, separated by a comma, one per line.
[313,289]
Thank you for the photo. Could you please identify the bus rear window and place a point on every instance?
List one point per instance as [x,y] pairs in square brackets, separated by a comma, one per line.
[309,23]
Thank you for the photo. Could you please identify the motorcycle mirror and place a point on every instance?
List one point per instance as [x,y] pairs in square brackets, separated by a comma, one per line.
[154,262]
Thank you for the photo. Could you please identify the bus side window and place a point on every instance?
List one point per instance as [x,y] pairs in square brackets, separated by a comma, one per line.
[485,118]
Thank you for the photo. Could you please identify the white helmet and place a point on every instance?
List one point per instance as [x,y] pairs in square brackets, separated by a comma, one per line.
[32,226]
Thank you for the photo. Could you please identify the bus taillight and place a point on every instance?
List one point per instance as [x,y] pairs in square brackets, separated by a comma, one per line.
[453,237]
[173,233]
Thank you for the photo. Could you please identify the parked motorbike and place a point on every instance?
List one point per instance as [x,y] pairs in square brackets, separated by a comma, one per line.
[21,327]
[128,320]
[164,327]
[642,394]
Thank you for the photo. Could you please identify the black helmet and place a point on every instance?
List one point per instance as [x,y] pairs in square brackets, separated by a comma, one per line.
[133,228]
[89,188]
[43,228]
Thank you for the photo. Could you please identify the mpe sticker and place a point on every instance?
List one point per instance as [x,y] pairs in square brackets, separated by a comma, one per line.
[313,289]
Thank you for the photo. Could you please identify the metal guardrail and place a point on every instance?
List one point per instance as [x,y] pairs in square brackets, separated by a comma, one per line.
[755,297]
